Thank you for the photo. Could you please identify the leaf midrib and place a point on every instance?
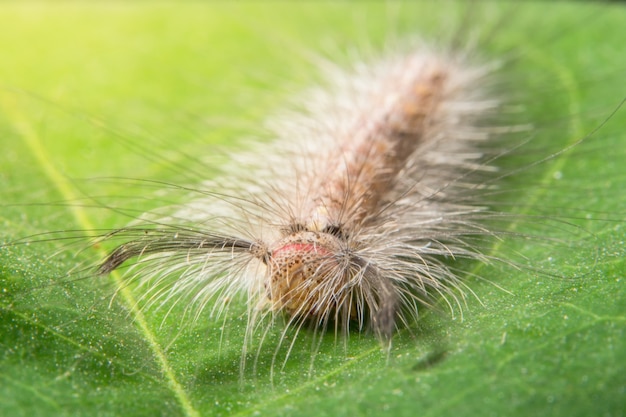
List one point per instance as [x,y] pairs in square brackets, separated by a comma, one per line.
[28,134]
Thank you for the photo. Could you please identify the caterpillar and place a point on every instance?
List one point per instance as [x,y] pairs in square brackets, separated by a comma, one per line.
[373,200]
[354,215]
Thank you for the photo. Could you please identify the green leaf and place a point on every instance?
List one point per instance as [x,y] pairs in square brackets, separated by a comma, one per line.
[91,92]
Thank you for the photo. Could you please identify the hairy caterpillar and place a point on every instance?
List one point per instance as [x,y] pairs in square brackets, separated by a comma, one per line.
[270,217]
[350,224]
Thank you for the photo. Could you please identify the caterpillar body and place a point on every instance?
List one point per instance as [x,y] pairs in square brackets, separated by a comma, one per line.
[360,213]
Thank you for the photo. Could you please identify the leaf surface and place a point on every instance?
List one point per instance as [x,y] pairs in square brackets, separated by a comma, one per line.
[92,92]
